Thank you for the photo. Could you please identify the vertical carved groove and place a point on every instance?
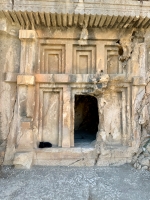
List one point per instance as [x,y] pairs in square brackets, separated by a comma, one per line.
[12,4]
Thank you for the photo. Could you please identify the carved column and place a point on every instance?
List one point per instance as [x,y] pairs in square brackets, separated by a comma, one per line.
[124,125]
[101,133]
[25,82]
[66,116]
[138,91]
[26,90]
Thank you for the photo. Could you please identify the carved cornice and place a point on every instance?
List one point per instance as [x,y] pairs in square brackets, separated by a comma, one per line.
[99,7]
[93,13]
[29,20]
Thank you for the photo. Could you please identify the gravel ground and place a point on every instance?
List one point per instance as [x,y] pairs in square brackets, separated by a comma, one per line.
[74,183]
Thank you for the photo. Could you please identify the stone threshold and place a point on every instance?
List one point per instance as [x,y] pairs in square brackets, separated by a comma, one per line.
[75,156]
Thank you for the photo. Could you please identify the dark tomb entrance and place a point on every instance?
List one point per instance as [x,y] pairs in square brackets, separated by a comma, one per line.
[86,119]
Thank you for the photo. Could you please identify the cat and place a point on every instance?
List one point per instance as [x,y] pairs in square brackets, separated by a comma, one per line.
[45,145]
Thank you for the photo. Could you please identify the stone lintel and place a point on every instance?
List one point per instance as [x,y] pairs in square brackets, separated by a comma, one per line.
[27,34]
[25,80]
[139,80]
[75,78]
[64,78]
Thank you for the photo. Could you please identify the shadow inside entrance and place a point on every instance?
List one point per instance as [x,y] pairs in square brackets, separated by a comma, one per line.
[86,120]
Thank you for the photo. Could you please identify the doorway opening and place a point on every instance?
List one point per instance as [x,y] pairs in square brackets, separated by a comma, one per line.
[86,120]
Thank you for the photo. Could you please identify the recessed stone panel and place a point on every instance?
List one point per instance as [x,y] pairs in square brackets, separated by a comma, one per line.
[53,63]
[83,64]
[52,59]
[50,117]
[112,58]
[113,120]
[84,60]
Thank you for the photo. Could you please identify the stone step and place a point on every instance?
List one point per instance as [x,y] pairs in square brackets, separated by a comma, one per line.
[77,156]
[65,157]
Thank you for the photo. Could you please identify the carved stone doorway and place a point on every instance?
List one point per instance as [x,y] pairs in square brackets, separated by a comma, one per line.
[86,120]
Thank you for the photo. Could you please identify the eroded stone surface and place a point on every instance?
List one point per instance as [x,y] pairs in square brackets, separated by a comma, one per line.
[50,59]
[23,160]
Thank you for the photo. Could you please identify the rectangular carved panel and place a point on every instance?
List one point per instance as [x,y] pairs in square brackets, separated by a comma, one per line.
[113,120]
[52,59]
[83,64]
[53,63]
[112,58]
[50,117]
[84,59]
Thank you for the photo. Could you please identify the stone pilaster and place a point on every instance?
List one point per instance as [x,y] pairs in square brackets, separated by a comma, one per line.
[26,90]
[9,60]
[26,81]
[138,92]
[101,130]
[66,116]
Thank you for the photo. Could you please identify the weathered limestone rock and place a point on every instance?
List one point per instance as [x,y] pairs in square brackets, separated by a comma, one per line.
[23,160]
[145,167]
[77,77]
[25,80]
[9,59]
[145,161]
[148,148]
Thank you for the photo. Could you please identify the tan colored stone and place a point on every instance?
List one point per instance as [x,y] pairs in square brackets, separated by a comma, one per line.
[25,125]
[11,77]
[139,81]
[27,34]
[25,140]
[25,80]
[23,160]
[66,153]
[66,162]
[145,161]
[43,70]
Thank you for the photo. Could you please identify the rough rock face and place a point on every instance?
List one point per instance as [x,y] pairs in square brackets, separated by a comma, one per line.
[141,159]
[23,161]
[10,61]
[48,58]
